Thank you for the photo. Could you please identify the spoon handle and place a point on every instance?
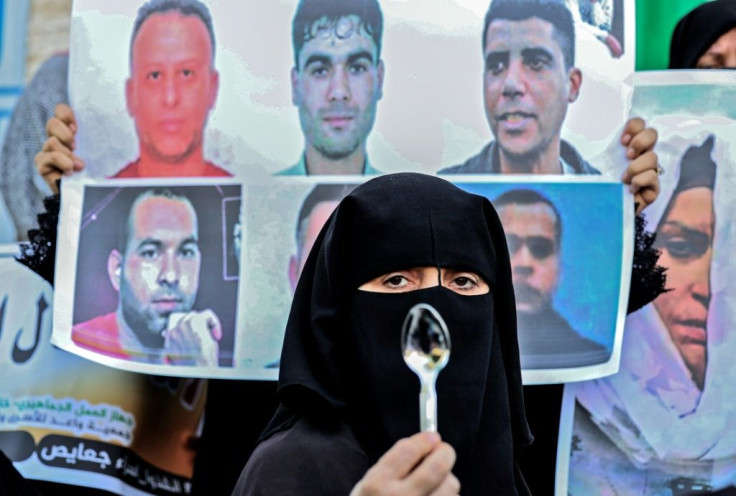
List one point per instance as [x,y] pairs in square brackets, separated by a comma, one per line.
[428,407]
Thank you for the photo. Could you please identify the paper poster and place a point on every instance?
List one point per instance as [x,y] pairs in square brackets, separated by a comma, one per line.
[66,419]
[343,90]
[156,278]
[419,97]
[286,217]
[663,424]
[571,267]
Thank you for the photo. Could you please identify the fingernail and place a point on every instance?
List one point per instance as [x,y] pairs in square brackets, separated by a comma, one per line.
[630,152]
[625,178]
[78,164]
[634,188]
[626,138]
[432,437]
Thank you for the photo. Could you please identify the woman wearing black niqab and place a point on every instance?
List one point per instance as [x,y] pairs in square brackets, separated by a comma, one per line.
[346,395]
[698,30]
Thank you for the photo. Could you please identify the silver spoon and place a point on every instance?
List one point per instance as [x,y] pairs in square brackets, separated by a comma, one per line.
[425,343]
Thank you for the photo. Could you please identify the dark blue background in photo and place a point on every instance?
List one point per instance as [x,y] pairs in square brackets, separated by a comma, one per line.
[590,264]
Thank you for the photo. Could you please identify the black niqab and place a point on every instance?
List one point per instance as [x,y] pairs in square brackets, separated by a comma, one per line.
[342,356]
[698,30]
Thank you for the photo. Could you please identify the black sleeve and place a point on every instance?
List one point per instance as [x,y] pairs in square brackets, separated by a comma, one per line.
[304,461]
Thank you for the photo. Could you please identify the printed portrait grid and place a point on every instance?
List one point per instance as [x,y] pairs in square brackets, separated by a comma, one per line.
[254,128]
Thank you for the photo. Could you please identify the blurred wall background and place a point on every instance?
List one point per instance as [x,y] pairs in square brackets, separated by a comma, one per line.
[48,31]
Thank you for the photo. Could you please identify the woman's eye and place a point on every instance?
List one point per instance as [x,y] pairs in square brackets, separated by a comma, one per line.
[464,282]
[396,281]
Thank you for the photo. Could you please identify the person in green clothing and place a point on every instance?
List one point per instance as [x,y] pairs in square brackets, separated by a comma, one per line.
[705,38]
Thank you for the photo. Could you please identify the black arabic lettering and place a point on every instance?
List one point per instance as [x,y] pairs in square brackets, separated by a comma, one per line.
[20,355]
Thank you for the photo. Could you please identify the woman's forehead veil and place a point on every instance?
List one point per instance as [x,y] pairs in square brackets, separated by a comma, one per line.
[402,221]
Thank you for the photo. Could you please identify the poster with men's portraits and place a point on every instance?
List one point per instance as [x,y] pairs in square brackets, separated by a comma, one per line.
[664,423]
[351,88]
[358,87]
[406,86]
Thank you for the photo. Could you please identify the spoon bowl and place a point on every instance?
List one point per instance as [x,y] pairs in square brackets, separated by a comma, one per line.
[425,345]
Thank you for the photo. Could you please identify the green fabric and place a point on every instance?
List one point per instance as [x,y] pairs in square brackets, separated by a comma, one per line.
[655,21]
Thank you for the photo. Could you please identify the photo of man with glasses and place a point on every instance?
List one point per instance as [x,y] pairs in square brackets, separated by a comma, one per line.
[533,229]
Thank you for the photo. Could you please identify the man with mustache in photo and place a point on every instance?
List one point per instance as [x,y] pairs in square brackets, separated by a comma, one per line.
[533,232]
[529,81]
[171,90]
[156,274]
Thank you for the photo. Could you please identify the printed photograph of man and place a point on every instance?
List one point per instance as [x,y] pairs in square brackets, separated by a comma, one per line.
[529,81]
[156,272]
[232,241]
[314,212]
[270,276]
[534,230]
[661,422]
[336,82]
[171,88]
[318,205]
